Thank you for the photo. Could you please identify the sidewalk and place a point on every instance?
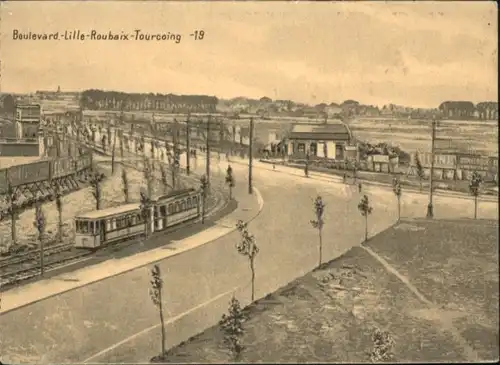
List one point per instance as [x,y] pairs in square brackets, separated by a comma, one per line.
[249,206]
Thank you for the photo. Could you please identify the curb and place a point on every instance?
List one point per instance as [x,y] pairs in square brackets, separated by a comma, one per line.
[260,202]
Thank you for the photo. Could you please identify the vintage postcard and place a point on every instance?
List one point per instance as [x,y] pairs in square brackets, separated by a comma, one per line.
[258,181]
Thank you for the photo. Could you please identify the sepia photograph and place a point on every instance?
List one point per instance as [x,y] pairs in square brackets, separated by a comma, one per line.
[248,182]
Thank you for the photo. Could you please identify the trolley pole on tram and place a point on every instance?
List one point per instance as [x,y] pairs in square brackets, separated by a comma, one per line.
[430,208]
[208,151]
[250,157]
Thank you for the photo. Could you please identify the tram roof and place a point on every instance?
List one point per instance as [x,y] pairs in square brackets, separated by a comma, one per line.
[95,214]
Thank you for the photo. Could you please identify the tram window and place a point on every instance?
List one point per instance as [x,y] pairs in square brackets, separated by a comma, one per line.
[84,227]
[183,206]
[97,226]
[113,223]
[177,207]
[188,203]
[170,209]
[195,200]
[133,220]
[108,225]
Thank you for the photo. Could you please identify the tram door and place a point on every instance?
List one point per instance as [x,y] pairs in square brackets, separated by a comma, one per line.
[163,213]
[102,230]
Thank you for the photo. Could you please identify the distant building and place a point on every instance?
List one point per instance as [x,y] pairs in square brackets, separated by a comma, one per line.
[319,140]
[27,121]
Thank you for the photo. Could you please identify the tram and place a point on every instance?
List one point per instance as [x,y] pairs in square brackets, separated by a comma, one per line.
[101,227]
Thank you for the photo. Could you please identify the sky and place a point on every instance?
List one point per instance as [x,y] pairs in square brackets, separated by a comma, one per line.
[411,53]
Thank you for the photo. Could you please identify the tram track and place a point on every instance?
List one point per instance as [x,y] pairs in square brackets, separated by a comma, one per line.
[33,254]
[17,269]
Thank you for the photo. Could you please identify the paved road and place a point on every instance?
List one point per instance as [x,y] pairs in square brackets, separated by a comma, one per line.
[114,320]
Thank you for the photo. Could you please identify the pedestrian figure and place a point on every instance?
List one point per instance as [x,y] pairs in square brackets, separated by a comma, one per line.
[360,187]
[345,178]
[274,166]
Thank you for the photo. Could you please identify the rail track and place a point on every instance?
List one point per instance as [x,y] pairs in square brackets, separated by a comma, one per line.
[27,265]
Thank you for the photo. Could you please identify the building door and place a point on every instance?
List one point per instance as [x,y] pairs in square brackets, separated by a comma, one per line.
[313,149]
[339,152]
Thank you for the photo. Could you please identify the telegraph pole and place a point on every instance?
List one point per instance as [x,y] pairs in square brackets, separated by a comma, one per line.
[430,208]
[221,134]
[250,157]
[208,150]
[188,145]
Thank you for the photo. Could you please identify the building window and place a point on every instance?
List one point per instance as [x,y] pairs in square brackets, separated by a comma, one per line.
[301,148]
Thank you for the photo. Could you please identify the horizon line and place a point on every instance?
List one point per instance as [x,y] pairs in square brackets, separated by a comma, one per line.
[243,97]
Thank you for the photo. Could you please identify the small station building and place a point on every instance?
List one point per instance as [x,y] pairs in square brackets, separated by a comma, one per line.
[328,140]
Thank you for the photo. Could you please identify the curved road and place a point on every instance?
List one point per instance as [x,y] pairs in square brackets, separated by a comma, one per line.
[115,321]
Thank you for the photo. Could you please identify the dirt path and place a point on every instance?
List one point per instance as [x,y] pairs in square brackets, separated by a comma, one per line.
[433,312]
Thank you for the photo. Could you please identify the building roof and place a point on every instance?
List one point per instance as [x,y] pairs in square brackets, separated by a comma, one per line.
[333,130]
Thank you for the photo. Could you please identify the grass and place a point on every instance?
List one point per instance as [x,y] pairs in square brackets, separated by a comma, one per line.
[330,314]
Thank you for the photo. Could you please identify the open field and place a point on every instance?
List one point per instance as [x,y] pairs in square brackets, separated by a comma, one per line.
[412,135]
[330,314]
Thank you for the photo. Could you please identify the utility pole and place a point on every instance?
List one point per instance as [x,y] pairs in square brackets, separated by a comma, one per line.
[221,134]
[188,145]
[208,150]
[430,208]
[250,159]
[113,151]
